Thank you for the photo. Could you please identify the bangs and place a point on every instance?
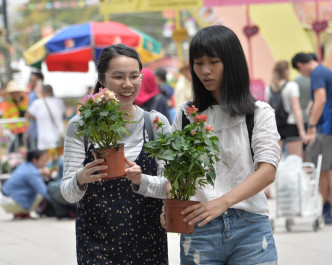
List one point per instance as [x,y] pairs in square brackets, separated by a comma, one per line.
[200,47]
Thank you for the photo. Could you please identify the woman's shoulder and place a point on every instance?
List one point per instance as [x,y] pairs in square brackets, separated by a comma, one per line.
[75,119]
[262,106]
[153,115]
[291,85]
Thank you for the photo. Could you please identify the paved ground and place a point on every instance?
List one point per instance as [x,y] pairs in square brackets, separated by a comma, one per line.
[47,241]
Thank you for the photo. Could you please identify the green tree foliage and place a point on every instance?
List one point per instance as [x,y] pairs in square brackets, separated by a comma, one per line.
[57,18]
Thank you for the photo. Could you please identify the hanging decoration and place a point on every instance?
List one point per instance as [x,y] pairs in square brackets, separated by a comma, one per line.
[56,5]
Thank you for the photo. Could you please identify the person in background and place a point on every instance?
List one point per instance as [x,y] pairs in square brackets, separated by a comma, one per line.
[164,87]
[304,84]
[320,123]
[114,225]
[292,132]
[35,87]
[183,90]
[63,209]
[49,113]
[231,221]
[26,188]
[149,97]
[15,106]
[167,90]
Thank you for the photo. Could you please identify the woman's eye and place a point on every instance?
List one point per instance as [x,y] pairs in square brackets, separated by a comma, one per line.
[214,62]
[118,77]
[198,63]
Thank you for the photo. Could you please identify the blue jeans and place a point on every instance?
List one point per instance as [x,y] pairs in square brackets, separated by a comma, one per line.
[236,237]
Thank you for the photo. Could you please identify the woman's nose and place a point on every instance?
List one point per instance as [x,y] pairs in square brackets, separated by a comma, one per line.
[205,69]
[127,82]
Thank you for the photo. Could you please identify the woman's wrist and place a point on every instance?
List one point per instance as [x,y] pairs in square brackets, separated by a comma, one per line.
[81,186]
[311,125]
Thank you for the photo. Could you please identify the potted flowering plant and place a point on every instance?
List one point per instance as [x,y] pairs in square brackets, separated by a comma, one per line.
[103,123]
[189,156]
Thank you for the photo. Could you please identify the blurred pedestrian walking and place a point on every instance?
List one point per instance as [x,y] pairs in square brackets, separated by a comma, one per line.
[49,113]
[167,90]
[290,126]
[35,87]
[15,106]
[320,122]
[149,97]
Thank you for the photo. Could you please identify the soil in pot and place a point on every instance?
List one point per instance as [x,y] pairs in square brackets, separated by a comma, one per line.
[114,159]
[174,218]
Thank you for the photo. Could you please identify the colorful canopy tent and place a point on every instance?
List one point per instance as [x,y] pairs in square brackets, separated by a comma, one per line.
[71,48]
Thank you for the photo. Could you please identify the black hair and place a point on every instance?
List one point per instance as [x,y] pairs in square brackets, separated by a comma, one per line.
[234,97]
[302,57]
[38,74]
[313,56]
[161,73]
[48,90]
[34,154]
[110,53]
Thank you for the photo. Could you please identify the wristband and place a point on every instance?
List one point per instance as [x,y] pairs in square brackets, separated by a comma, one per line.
[311,126]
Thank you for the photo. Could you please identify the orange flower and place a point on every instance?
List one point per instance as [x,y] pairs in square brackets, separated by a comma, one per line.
[192,111]
[209,128]
[200,118]
[158,122]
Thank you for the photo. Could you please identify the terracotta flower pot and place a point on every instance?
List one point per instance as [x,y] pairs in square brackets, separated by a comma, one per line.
[174,218]
[114,159]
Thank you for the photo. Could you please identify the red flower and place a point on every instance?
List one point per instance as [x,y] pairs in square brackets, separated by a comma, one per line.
[158,122]
[200,118]
[209,128]
[193,133]
[192,110]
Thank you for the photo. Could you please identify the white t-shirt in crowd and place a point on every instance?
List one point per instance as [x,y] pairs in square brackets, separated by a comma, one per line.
[48,133]
[290,90]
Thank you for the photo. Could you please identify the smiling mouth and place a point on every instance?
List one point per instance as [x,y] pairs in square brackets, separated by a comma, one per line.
[126,94]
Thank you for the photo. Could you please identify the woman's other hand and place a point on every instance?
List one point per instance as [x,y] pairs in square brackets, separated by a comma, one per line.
[133,172]
[85,174]
[203,212]
[163,217]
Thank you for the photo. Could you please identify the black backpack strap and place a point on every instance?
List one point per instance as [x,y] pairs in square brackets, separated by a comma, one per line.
[185,120]
[250,127]
[85,139]
[148,125]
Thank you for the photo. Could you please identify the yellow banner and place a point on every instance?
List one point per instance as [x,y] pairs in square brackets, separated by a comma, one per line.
[107,7]
[36,52]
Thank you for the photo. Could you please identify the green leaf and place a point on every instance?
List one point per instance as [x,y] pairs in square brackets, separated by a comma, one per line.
[168,155]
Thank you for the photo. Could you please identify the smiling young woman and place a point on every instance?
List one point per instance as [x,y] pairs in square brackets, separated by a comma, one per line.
[115,225]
